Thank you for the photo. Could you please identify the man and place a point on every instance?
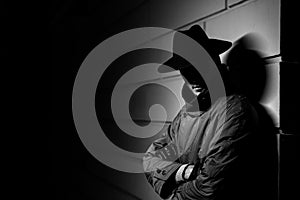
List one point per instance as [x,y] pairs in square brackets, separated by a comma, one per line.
[206,153]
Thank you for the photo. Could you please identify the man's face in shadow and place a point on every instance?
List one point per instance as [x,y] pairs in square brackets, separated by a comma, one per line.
[194,85]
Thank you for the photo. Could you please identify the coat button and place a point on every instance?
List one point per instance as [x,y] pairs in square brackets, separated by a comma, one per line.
[164,172]
[158,170]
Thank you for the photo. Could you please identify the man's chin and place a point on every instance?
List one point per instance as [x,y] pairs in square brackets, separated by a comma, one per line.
[189,97]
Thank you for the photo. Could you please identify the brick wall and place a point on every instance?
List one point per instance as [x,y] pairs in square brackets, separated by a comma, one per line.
[225,19]
[80,29]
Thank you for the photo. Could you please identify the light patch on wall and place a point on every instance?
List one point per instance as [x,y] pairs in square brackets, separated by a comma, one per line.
[271,96]
[262,17]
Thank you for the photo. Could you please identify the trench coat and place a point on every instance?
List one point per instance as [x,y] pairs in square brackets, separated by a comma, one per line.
[222,145]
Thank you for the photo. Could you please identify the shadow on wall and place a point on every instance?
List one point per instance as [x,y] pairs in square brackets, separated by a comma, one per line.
[246,60]
[248,76]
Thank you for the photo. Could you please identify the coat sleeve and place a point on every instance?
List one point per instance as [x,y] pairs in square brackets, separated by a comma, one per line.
[223,149]
[160,162]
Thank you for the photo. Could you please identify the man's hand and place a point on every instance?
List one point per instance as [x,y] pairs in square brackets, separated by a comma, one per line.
[184,172]
[188,171]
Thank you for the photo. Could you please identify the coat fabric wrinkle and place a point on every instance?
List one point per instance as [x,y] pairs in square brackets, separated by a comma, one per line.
[221,144]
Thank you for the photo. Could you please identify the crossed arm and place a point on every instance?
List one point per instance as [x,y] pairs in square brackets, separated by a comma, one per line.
[171,181]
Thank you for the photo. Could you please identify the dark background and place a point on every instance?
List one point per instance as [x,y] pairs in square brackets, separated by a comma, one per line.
[76,28]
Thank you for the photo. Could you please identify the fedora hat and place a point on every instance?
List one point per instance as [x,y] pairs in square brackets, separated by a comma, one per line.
[216,46]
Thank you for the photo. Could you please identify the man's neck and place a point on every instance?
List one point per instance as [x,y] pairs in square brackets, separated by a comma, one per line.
[194,106]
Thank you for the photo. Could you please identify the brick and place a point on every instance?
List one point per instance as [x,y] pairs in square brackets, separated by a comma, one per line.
[176,13]
[231,2]
[261,17]
[271,95]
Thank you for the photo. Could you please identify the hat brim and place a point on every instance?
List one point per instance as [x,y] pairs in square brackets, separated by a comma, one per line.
[175,62]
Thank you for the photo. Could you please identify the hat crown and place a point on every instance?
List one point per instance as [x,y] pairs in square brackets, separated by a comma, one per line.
[196,33]
[212,46]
